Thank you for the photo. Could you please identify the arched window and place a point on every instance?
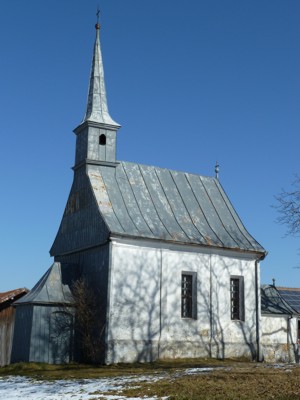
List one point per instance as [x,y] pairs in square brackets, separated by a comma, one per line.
[102,140]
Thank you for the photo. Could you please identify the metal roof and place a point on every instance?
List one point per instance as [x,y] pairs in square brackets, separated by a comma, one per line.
[51,288]
[12,294]
[291,296]
[273,303]
[150,202]
[97,109]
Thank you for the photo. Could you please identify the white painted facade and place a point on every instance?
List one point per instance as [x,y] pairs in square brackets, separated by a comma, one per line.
[279,338]
[144,305]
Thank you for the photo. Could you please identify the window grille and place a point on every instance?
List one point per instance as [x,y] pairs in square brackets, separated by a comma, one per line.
[237,298]
[187,296]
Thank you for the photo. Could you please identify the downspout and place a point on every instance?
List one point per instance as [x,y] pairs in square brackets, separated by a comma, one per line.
[288,336]
[160,306]
[107,346]
[257,307]
[210,308]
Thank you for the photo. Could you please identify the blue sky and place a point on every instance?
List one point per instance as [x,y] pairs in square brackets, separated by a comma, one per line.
[191,82]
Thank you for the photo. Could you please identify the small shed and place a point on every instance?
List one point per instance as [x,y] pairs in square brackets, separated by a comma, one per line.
[279,326]
[45,319]
[7,319]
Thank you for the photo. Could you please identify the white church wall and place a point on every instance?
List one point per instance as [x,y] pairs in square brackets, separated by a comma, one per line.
[145,304]
[233,338]
[134,304]
[279,338]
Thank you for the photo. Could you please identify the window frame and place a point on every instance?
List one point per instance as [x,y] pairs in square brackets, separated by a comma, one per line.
[237,301]
[189,310]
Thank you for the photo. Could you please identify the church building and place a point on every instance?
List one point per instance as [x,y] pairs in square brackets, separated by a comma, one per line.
[173,271]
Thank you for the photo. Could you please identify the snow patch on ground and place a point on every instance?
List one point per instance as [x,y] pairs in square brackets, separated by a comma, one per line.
[17,387]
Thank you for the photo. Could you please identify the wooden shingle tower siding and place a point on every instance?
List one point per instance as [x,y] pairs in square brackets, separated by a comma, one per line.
[136,233]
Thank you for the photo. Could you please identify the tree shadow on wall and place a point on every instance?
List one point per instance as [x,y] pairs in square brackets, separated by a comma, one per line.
[145,320]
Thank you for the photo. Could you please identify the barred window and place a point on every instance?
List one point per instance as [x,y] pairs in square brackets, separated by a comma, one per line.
[188,295]
[237,297]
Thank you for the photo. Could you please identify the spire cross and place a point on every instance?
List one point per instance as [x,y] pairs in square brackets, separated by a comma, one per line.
[217,169]
[97,13]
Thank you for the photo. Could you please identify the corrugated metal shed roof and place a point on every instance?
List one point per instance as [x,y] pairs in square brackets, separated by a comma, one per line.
[291,296]
[273,303]
[11,295]
[151,202]
[50,289]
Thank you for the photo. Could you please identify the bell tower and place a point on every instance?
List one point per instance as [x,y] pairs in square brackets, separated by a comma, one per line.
[96,135]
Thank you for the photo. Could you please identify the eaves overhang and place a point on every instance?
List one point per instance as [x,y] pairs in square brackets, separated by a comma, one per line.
[95,124]
[123,237]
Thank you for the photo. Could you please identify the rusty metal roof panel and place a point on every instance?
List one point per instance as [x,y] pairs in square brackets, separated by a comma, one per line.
[11,295]
[236,225]
[131,204]
[117,200]
[144,203]
[194,213]
[151,202]
[161,201]
[176,203]
[204,192]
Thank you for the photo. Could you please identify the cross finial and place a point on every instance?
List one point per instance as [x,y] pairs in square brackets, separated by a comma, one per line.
[217,169]
[97,26]
[273,281]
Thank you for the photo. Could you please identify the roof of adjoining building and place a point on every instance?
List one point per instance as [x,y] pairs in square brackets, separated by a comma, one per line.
[272,302]
[291,296]
[11,295]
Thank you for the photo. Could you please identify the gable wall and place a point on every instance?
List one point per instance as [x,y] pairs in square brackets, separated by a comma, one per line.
[145,305]
[81,226]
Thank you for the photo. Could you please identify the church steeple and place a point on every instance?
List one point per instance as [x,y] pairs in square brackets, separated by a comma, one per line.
[97,110]
[96,135]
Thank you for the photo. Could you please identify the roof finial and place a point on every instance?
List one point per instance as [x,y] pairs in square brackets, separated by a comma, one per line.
[97,26]
[273,280]
[217,169]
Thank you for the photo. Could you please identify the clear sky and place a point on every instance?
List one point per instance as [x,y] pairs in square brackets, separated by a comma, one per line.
[190,81]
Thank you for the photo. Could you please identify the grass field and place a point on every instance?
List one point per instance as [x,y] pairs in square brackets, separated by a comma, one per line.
[183,379]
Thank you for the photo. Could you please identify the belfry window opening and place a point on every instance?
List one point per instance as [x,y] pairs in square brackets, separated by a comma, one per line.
[102,140]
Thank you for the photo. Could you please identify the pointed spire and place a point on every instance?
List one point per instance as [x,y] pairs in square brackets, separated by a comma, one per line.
[97,110]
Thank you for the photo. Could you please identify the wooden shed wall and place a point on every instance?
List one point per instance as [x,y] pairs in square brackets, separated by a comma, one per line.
[7,317]
[22,333]
[43,333]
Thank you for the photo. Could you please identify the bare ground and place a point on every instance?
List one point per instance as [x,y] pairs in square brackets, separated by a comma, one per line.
[185,379]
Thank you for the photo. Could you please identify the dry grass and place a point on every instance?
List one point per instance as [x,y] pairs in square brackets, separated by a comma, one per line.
[231,380]
[234,383]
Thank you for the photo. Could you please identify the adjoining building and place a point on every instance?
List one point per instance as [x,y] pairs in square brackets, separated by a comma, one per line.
[172,268]
[280,323]
[7,320]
